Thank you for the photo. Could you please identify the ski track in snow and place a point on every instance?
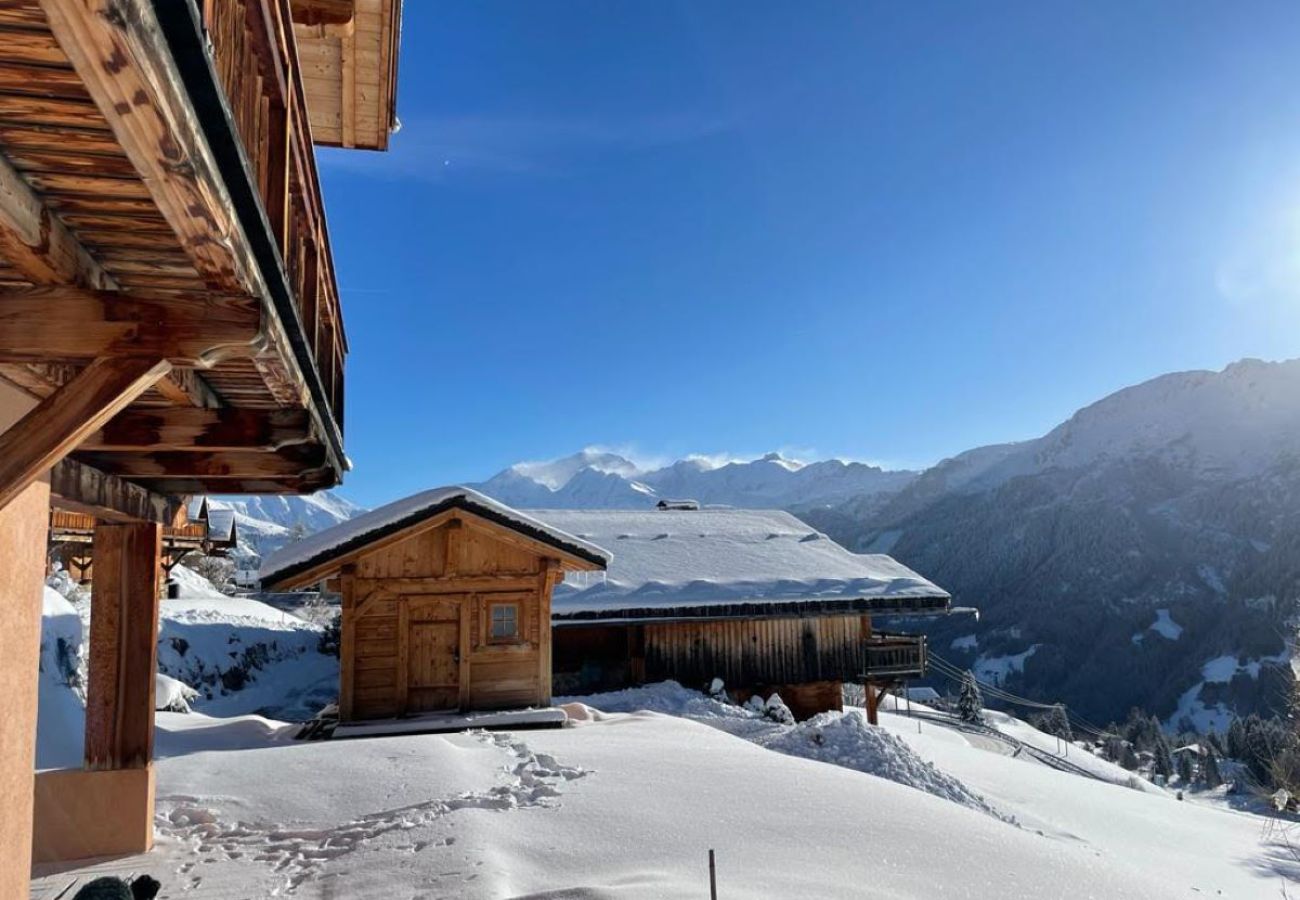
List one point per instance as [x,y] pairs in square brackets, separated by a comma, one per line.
[530,780]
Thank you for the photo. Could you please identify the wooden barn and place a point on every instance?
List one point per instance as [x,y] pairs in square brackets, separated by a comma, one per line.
[446,603]
[754,597]
[170,324]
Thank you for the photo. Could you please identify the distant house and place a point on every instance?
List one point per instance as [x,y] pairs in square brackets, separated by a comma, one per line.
[446,602]
[754,597]
[200,531]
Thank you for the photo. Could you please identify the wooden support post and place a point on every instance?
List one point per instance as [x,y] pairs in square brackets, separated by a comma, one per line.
[24,524]
[58,423]
[123,646]
[546,581]
[872,701]
[347,640]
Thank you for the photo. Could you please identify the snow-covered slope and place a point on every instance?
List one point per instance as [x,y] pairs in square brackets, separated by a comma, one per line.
[594,479]
[628,804]
[218,654]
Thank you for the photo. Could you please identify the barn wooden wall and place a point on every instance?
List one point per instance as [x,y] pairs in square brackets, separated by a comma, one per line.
[405,601]
[739,651]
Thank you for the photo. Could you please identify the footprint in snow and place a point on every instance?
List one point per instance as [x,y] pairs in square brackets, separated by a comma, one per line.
[529,780]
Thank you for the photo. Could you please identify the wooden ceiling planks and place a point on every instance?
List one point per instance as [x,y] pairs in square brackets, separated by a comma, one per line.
[349,72]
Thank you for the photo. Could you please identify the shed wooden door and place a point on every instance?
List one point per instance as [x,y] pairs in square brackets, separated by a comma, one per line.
[433,654]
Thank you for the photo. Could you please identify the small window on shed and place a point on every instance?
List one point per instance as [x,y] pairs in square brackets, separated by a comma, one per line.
[505,622]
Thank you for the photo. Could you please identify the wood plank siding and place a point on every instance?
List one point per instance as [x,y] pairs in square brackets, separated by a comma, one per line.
[417,633]
[739,651]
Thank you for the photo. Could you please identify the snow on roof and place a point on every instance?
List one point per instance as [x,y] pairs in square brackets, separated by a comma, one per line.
[221,524]
[674,559]
[354,533]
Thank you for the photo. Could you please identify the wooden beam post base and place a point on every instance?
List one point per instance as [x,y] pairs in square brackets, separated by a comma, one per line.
[123,645]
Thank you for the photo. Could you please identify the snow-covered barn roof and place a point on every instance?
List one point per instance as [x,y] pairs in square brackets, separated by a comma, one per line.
[347,537]
[725,563]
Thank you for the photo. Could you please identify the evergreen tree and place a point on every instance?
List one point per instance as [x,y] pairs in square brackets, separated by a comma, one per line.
[1162,762]
[1237,739]
[1210,771]
[970,702]
[1186,773]
[1128,759]
[1058,723]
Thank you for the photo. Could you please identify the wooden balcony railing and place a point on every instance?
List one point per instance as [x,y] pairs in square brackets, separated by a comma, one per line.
[894,656]
[255,58]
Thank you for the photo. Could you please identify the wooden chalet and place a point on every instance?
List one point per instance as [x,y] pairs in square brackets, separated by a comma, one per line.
[72,540]
[754,597]
[446,602]
[169,324]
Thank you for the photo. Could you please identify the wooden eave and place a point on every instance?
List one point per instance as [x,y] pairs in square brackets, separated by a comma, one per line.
[131,226]
[330,563]
[349,50]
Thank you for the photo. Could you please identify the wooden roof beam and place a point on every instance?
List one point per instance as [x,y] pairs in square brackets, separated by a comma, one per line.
[54,427]
[182,429]
[118,51]
[323,12]
[296,460]
[301,484]
[188,330]
[80,488]
[37,243]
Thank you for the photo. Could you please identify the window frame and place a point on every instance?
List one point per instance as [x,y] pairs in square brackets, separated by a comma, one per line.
[513,638]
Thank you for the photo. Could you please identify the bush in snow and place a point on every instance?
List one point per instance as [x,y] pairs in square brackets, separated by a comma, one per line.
[776,710]
[216,569]
[171,695]
[970,703]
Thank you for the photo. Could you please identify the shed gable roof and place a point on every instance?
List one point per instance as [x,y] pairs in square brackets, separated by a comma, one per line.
[355,535]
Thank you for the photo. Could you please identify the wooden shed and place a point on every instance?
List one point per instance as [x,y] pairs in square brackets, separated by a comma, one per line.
[446,602]
[754,597]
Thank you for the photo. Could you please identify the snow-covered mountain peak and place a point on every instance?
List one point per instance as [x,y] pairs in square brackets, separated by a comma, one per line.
[556,473]
[594,480]
[1233,422]
[792,465]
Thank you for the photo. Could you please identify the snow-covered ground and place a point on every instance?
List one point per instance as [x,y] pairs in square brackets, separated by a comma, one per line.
[220,655]
[627,804]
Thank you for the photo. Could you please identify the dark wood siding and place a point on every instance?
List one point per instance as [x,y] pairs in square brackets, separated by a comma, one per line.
[739,651]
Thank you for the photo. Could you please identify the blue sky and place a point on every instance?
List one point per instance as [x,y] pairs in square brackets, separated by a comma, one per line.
[877,230]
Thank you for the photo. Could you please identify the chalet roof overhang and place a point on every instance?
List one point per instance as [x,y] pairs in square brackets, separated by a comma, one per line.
[572,554]
[184,33]
[754,610]
[130,206]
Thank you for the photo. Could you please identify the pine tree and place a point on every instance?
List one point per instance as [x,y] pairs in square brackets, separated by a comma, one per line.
[1059,723]
[1237,739]
[1185,770]
[1210,771]
[970,703]
[1162,763]
[1128,759]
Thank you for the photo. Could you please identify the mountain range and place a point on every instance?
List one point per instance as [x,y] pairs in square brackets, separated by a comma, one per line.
[1145,552]
[597,479]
